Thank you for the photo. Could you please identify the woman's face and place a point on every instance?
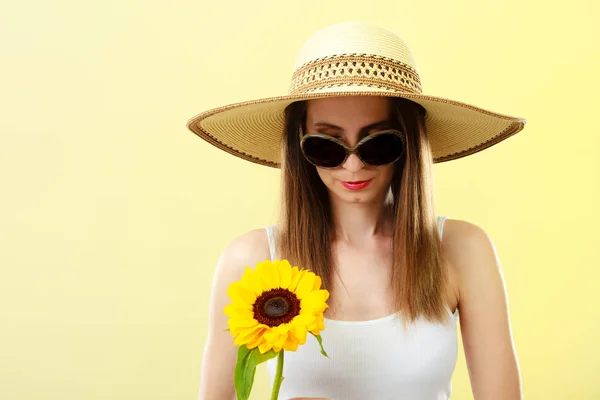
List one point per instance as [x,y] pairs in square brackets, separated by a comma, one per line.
[350,119]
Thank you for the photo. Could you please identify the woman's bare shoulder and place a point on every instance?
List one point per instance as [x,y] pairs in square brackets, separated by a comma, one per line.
[458,235]
[248,248]
[467,247]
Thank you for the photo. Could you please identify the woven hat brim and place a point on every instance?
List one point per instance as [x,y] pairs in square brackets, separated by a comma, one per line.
[252,130]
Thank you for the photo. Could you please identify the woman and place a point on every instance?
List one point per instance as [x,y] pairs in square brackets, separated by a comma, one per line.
[355,139]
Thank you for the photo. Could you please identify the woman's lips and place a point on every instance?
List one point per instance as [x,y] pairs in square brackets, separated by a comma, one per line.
[356,185]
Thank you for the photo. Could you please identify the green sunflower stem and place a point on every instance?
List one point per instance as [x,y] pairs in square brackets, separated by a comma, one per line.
[278,377]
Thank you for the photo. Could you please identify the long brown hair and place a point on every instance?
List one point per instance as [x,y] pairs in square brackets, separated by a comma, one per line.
[306,229]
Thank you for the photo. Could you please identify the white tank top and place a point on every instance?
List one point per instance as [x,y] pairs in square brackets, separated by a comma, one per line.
[374,360]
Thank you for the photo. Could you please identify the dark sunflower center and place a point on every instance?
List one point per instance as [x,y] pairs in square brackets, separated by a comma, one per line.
[276,307]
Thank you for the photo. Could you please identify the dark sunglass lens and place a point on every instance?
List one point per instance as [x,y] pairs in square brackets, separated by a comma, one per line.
[382,149]
[323,152]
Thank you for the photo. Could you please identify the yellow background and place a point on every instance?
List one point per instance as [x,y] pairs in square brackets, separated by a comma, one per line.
[113,215]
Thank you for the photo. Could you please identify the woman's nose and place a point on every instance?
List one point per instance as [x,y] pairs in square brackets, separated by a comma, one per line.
[353,163]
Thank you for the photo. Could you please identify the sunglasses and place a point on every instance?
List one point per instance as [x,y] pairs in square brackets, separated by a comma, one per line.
[378,149]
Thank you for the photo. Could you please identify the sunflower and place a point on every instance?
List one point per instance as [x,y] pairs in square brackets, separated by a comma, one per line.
[275,306]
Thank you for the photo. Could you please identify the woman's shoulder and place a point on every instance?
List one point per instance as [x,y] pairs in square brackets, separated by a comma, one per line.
[248,248]
[252,242]
[458,235]
[466,246]
[469,251]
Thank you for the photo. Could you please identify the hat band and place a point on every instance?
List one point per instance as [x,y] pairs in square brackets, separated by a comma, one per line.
[355,69]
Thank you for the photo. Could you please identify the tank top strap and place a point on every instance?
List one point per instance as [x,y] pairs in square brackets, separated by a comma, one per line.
[440,221]
[271,230]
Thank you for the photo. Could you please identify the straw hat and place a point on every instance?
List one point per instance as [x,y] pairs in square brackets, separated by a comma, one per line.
[346,59]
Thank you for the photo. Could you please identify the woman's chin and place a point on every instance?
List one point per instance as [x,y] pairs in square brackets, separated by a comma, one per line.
[365,196]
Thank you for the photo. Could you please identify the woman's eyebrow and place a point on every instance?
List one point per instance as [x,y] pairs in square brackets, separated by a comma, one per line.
[364,129]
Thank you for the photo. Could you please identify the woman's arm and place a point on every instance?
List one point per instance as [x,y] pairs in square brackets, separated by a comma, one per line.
[484,319]
[218,361]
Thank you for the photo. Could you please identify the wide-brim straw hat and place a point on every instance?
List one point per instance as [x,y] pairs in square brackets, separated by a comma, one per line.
[350,59]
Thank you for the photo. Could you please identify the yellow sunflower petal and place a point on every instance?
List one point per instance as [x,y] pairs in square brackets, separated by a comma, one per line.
[251,281]
[264,270]
[316,331]
[254,342]
[315,301]
[277,273]
[283,328]
[264,347]
[276,336]
[247,335]
[291,344]
[236,324]
[238,293]
[233,310]
[304,318]
[305,285]
[281,339]
[285,274]
[317,283]
[296,276]
[270,336]
[317,326]
[300,333]
[245,332]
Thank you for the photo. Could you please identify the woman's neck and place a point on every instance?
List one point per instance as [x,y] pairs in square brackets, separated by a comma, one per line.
[359,222]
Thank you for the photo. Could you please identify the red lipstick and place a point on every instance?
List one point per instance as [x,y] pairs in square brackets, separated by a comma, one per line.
[356,185]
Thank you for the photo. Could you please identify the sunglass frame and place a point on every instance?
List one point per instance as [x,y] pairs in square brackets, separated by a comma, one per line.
[350,150]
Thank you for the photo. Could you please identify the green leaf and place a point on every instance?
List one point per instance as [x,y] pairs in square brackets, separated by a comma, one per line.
[245,368]
[226,330]
[320,344]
